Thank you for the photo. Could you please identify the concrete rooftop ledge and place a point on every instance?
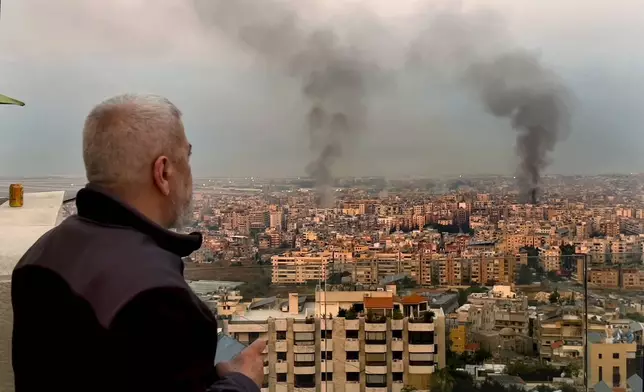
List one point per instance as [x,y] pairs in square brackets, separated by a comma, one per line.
[21,227]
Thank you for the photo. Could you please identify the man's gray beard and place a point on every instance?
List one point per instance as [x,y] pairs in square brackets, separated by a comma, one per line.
[184,214]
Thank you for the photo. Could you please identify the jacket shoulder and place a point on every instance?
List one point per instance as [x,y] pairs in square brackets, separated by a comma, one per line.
[105,265]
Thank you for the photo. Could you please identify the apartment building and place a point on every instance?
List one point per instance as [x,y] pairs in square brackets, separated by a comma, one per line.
[611,361]
[299,267]
[560,335]
[604,277]
[496,269]
[500,318]
[346,355]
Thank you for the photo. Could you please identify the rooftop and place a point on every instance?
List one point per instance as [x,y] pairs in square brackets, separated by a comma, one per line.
[21,227]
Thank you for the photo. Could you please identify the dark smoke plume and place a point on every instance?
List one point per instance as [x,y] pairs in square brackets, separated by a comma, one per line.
[473,47]
[517,87]
[333,75]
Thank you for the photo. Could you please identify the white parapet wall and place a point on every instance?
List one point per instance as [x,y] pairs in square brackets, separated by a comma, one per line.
[19,229]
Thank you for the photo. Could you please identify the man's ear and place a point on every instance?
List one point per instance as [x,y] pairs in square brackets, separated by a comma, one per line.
[161,172]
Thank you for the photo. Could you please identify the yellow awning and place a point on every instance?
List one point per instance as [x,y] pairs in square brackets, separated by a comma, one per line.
[4,100]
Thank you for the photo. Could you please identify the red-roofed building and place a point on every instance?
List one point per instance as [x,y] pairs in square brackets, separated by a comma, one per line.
[379,305]
[414,304]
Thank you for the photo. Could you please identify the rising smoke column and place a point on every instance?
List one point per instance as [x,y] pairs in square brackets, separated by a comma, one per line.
[333,76]
[474,49]
[516,86]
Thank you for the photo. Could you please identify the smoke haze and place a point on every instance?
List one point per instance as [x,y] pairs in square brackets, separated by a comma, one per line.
[475,49]
[62,57]
[333,75]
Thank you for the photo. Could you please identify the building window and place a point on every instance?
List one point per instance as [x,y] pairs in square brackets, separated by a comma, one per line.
[600,356]
[615,355]
[376,380]
[616,377]
[376,338]
[353,377]
[353,355]
[421,359]
[376,359]
[326,334]
[327,376]
[304,339]
[281,377]
[305,381]
[252,336]
[397,376]
[281,356]
[396,334]
[352,334]
[281,335]
[326,355]
[304,360]
[397,355]
[600,373]
[421,338]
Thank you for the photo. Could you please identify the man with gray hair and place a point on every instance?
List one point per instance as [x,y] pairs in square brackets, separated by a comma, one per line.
[100,302]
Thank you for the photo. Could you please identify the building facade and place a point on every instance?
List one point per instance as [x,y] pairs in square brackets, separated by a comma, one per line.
[343,355]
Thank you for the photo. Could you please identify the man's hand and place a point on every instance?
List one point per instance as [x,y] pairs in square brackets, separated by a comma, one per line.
[250,362]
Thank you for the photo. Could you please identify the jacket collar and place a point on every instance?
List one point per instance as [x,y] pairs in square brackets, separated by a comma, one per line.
[95,204]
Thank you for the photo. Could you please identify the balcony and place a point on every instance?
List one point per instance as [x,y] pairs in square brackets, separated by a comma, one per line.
[304,348]
[397,366]
[245,327]
[352,387]
[326,387]
[280,325]
[303,327]
[326,366]
[375,348]
[326,344]
[397,345]
[281,367]
[421,369]
[375,327]
[396,324]
[371,369]
[304,369]
[420,327]
[351,366]
[281,346]
[326,324]
[352,325]
[421,348]
[376,389]
[352,345]
[397,387]
[281,387]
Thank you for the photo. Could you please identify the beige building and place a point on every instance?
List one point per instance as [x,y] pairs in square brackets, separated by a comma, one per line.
[299,267]
[342,355]
[609,362]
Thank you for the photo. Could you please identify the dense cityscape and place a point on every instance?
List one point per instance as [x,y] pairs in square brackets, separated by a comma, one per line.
[401,279]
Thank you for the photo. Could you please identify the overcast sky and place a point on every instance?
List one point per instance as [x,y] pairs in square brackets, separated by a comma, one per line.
[63,56]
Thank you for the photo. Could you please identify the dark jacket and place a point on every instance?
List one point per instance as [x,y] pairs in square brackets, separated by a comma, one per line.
[100,304]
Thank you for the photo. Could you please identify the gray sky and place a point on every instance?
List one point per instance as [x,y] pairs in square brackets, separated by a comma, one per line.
[61,57]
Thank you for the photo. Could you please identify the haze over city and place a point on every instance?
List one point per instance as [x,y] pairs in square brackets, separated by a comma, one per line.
[246,117]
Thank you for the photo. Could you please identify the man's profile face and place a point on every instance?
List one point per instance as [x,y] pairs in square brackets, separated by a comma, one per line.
[182,185]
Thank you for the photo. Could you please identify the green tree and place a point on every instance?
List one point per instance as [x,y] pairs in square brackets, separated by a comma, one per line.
[441,381]
[481,355]
[554,297]
[408,388]
[635,317]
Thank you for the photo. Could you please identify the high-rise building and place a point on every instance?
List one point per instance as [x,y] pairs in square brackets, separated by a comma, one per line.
[342,354]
